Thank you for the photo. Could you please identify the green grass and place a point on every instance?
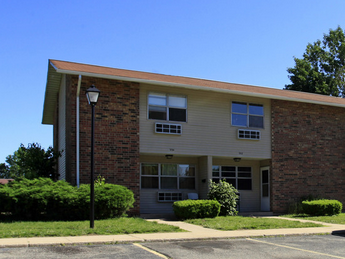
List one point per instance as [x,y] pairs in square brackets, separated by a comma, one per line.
[238,222]
[336,219]
[115,226]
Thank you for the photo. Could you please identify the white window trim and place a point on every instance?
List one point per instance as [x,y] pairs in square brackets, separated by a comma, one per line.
[159,176]
[248,114]
[167,105]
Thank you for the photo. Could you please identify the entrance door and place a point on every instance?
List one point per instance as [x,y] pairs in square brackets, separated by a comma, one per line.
[265,188]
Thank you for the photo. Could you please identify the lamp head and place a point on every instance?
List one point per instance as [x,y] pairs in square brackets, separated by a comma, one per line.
[92,95]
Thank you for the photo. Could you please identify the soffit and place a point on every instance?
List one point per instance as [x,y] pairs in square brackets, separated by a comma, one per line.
[52,91]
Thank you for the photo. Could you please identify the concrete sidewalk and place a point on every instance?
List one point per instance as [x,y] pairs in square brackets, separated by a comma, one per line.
[194,233]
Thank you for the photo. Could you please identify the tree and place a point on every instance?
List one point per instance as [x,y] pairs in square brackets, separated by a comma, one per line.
[31,162]
[4,171]
[322,68]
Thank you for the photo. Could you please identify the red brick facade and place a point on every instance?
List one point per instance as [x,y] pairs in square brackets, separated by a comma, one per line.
[116,133]
[308,153]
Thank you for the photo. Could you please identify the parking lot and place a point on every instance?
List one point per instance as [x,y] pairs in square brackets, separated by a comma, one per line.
[308,246]
[319,246]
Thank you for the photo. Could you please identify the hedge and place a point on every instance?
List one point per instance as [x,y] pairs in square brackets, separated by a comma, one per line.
[322,207]
[44,199]
[191,209]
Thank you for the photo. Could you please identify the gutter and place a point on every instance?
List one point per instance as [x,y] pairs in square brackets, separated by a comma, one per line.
[77,130]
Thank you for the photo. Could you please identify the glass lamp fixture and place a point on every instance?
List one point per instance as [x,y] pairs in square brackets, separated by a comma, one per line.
[92,95]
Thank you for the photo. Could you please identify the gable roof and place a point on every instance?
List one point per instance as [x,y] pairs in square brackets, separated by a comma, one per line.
[57,68]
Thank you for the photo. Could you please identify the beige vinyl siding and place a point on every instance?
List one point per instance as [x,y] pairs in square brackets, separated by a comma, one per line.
[250,200]
[148,197]
[208,129]
[62,130]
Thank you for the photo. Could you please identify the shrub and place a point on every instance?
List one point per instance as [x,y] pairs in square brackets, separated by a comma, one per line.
[5,199]
[43,198]
[29,198]
[112,200]
[192,209]
[63,203]
[226,195]
[322,207]
[296,207]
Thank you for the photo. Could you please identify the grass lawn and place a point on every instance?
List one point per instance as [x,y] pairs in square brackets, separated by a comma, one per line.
[238,222]
[336,219]
[115,226]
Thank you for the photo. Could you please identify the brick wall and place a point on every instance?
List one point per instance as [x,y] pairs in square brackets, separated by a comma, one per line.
[308,153]
[116,150]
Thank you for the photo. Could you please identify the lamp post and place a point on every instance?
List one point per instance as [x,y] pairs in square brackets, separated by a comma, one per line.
[92,95]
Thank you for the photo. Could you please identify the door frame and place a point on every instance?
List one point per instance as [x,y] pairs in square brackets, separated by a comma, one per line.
[265,202]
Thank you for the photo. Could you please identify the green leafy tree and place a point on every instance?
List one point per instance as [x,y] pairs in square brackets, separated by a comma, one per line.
[4,171]
[31,162]
[322,68]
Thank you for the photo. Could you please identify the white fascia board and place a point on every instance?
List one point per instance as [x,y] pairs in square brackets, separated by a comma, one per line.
[56,69]
[204,88]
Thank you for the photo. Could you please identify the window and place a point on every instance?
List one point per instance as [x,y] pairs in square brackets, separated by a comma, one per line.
[239,177]
[167,107]
[150,177]
[167,176]
[247,115]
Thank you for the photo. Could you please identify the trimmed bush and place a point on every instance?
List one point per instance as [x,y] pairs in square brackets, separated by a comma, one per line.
[192,209]
[112,200]
[296,207]
[226,195]
[322,207]
[44,199]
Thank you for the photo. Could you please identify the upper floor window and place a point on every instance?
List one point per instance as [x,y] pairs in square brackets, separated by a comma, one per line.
[167,107]
[247,115]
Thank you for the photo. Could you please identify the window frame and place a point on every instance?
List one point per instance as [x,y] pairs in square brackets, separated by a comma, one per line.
[236,177]
[161,176]
[247,114]
[167,106]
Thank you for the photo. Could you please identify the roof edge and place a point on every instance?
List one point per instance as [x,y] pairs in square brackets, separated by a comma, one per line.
[197,87]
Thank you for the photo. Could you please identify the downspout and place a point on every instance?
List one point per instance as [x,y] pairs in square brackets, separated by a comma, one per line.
[77,130]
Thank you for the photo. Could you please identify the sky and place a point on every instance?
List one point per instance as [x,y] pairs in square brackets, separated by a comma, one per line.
[249,42]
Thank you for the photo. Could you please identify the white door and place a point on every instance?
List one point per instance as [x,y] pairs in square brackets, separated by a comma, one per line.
[265,188]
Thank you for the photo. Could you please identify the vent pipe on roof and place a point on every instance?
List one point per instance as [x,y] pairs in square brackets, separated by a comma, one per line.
[77,130]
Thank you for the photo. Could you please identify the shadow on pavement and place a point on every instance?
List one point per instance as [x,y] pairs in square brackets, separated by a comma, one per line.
[340,233]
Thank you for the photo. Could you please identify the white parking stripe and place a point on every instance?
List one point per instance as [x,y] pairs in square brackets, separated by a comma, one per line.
[291,247]
[151,251]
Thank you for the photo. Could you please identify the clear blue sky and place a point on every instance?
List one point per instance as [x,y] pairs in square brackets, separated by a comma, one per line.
[249,41]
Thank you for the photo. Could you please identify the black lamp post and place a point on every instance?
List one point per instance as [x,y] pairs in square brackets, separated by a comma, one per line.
[92,96]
